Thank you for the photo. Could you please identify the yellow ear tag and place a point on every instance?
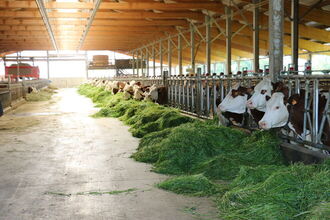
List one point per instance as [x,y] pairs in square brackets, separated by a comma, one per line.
[294,102]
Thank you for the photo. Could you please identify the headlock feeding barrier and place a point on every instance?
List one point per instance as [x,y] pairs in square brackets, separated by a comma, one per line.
[200,94]
[13,92]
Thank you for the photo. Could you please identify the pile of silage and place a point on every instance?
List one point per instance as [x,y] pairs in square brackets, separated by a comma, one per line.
[217,152]
[292,192]
[156,118]
[196,185]
[42,95]
[89,90]
[143,117]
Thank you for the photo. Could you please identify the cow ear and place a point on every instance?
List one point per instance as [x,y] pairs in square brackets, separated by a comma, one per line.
[267,97]
[294,102]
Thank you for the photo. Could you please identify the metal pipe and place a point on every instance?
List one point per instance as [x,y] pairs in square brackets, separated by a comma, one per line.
[169,57]
[89,24]
[48,70]
[295,33]
[256,37]
[161,57]
[192,47]
[147,61]
[133,63]
[180,54]
[208,43]
[142,63]
[315,111]
[43,13]
[228,40]
[276,23]
[153,61]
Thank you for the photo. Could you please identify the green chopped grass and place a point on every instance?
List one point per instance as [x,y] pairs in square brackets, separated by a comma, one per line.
[196,185]
[285,194]
[256,183]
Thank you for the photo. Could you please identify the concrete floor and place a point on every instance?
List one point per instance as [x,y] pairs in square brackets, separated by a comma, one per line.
[52,155]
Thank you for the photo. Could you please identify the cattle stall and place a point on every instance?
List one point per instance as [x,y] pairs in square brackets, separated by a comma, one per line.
[11,92]
[199,95]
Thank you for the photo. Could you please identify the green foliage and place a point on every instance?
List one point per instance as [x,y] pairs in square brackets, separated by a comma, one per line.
[196,185]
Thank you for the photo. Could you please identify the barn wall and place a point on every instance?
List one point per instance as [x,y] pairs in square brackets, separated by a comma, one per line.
[67,82]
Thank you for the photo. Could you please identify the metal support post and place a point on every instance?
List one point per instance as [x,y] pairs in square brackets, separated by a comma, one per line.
[256,37]
[208,43]
[315,111]
[86,64]
[153,61]
[192,47]
[161,57]
[133,64]
[137,64]
[169,57]
[276,21]
[147,61]
[180,54]
[295,33]
[142,63]
[17,70]
[239,64]
[228,40]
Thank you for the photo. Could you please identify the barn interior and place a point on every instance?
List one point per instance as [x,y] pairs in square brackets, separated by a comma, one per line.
[66,155]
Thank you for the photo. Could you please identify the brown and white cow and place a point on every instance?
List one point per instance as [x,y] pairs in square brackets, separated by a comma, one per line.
[231,110]
[280,112]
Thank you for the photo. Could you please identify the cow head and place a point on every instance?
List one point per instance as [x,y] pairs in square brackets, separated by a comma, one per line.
[262,93]
[234,101]
[276,114]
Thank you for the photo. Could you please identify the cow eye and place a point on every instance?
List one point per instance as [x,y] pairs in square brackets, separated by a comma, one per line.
[277,107]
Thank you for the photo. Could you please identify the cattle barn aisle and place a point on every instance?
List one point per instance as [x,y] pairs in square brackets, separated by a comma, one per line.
[53,156]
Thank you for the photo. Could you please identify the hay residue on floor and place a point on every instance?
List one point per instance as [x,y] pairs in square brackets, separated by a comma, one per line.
[44,94]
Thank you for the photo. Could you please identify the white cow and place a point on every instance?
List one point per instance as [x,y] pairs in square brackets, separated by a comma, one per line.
[233,106]
[276,114]
[152,95]
[262,91]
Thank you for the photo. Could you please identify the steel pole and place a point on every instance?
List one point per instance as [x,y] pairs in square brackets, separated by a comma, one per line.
[228,40]
[147,61]
[192,47]
[153,61]
[142,63]
[295,33]
[180,54]
[133,63]
[169,57]
[256,16]
[208,43]
[161,57]
[276,21]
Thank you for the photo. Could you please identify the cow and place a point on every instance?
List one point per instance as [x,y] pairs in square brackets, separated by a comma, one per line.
[231,110]
[262,93]
[257,103]
[32,89]
[151,94]
[281,111]
[162,95]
